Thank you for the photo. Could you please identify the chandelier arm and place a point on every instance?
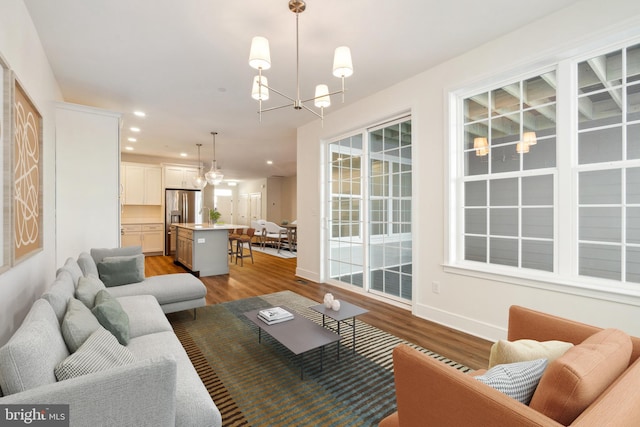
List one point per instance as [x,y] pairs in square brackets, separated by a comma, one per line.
[311,111]
[322,96]
[279,93]
[276,108]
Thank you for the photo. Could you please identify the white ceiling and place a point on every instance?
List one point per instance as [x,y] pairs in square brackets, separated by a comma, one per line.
[185,63]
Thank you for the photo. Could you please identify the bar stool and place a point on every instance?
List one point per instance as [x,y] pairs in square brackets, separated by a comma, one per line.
[233,237]
[244,239]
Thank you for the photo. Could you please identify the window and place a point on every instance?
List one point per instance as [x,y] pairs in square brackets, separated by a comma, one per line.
[510,160]
[608,113]
[370,187]
[509,171]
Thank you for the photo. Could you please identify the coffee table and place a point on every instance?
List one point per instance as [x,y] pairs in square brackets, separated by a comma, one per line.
[299,334]
[347,312]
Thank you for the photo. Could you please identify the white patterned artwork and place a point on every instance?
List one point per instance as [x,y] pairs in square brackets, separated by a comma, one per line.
[27,191]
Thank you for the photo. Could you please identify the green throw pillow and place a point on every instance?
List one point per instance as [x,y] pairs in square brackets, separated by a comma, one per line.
[112,316]
[77,325]
[121,270]
[88,287]
[100,352]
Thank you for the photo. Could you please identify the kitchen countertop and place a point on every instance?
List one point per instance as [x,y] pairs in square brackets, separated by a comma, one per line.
[206,226]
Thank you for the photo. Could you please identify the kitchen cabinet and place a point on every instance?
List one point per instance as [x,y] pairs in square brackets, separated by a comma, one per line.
[203,248]
[142,184]
[184,248]
[149,236]
[180,177]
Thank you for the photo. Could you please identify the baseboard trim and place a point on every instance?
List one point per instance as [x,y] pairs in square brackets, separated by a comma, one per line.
[461,323]
[309,275]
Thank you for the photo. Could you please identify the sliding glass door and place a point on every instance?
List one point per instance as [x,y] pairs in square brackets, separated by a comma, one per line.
[370,184]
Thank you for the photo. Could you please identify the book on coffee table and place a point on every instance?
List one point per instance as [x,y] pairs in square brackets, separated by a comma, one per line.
[274,315]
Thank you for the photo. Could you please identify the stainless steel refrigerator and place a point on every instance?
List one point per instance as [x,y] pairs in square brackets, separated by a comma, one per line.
[180,206]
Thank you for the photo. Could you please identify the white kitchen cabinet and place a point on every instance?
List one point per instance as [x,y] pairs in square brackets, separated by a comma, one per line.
[152,238]
[180,177]
[142,184]
[149,236]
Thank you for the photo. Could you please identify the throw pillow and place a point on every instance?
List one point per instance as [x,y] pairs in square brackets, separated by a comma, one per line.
[576,379]
[87,264]
[523,350]
[88,287]
[110,314]
[78,324]
[101,351]
[28,359]
[517,380]
[121,270]
[98,254]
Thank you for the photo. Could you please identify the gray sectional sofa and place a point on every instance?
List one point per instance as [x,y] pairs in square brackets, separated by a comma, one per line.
[142,379]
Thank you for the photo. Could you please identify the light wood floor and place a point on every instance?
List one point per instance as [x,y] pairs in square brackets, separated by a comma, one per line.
[272,274]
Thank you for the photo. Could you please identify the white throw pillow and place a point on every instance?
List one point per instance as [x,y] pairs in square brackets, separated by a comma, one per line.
[523,350]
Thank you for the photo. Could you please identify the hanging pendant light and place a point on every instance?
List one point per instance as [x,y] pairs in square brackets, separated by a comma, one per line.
[199,181]
[214,176]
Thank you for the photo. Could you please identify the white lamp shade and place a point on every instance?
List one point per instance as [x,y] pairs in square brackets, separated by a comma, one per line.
[522,148]
[260,57]
[529,138]
[322,98]
[481,146]
[260,92]
[342,65]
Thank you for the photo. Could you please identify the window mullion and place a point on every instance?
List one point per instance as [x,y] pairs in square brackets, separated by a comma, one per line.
[566,231]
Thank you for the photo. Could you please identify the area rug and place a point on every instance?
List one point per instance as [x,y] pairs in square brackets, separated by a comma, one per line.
[258,384]
[284,253]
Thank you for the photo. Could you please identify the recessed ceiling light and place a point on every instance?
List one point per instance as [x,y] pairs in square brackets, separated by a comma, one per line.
[128,148]
[232,183]
[134,129]
[131,139]
[139,113]
[183,154]
[269,162]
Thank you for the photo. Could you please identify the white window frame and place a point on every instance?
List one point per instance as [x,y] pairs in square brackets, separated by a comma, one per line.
[565,278]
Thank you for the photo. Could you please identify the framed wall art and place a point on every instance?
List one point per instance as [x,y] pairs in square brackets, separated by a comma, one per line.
[27,176]
[6,91]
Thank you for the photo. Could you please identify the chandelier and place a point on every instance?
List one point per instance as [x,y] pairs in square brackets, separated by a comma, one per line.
[214,176]
[260,59]
[199,181]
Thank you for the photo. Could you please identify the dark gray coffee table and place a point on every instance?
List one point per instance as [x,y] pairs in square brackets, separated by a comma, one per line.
[299,334]
[347,312]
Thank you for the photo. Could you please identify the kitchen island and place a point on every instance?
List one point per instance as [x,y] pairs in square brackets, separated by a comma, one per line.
[203,248]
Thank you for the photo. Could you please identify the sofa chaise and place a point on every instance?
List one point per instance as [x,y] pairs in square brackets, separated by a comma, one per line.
[573,390]
[147,381]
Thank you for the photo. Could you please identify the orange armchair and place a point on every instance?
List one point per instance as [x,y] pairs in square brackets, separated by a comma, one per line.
[430,393]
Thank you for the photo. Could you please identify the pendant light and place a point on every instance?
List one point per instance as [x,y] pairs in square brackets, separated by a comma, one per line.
[199,182]
[214,176]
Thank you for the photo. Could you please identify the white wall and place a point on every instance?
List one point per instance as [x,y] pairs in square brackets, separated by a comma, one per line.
[21,48]
[479,306]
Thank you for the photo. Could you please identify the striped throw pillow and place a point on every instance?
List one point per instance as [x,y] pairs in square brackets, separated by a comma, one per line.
[101,351]
[517,380]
